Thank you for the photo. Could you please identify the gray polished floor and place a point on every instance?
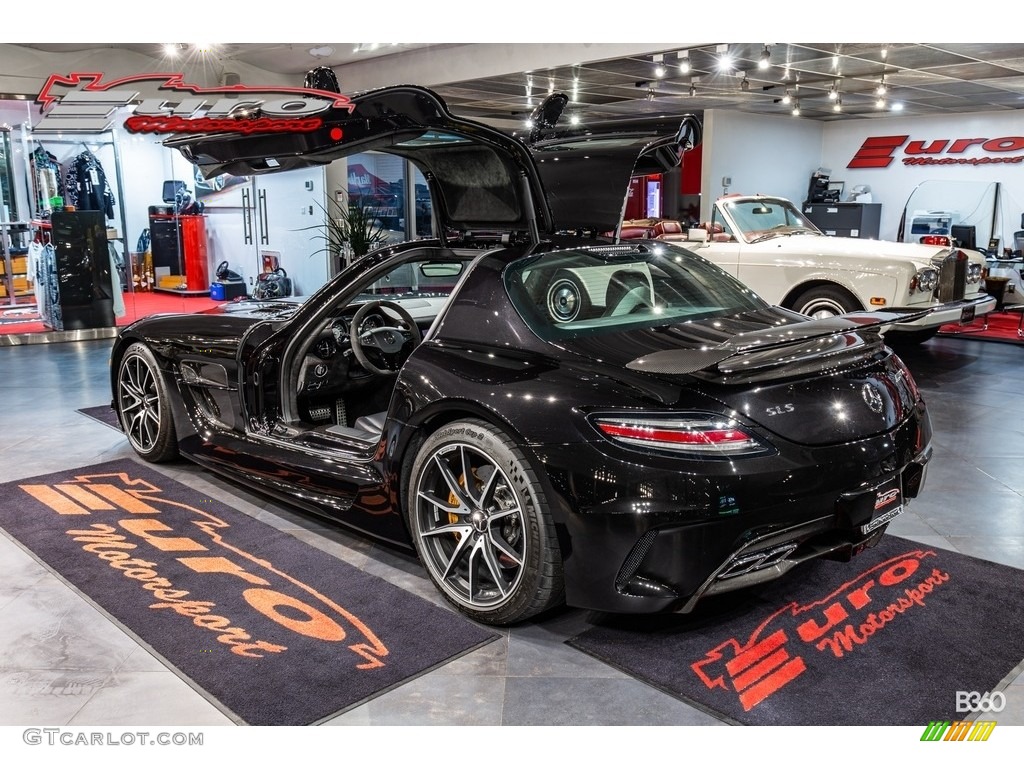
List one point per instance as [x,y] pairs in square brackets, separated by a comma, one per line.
[63,662]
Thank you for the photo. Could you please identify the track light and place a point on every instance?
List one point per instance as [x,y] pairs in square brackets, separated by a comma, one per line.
[897,106]
[787,98]
[885,51]
[650,94]
[724,57]
[833,92]
[659,65]
[880,103]
[766,59]
[693,89]
[838,106]
[684,62]
[574,120]
[881,90]
[796,108]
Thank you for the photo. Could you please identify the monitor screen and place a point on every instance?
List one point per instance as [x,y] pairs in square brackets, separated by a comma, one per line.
[964,235]
[171,190]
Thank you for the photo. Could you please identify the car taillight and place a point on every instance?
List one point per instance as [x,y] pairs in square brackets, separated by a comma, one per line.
[934,240]
[698,434]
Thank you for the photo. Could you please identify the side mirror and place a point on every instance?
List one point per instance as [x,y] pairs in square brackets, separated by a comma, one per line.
[697,235]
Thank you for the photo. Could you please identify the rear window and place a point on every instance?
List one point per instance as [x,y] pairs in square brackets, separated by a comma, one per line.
[590,291]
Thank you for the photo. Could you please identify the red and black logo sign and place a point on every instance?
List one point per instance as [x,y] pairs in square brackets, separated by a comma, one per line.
[82,102]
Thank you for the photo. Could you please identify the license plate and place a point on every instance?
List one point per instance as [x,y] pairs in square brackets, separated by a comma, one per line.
[966,315]
[888,504]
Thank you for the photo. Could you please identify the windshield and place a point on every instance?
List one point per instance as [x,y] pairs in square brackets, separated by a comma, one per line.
[602,290]
[761,218]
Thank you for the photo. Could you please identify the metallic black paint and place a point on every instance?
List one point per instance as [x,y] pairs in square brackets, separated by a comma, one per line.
[680,518]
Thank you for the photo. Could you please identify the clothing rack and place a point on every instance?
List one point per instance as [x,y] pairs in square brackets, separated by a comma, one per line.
[42,140]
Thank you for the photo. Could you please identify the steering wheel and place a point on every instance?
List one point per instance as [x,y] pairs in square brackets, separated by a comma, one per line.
[390,343]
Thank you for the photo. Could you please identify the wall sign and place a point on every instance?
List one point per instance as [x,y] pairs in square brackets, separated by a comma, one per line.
[881,151]
[82,103]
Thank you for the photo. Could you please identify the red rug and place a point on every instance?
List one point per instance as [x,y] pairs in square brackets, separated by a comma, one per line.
[1001,326]
[142,304]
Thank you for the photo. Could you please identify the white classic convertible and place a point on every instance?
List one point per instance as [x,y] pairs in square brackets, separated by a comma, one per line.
[770,246]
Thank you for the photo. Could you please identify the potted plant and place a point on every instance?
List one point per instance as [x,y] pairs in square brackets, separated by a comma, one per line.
[350,230]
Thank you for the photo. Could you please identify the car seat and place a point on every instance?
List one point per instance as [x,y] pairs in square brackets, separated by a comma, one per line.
[628,290]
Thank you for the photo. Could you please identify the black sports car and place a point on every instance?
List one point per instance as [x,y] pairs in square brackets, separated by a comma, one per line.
[553,417]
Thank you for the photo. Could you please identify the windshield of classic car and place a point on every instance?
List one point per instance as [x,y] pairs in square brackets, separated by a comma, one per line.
[764,218]
[602,290]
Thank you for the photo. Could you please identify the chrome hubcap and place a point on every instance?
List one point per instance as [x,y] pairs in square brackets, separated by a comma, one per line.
[139,403]
[470,526]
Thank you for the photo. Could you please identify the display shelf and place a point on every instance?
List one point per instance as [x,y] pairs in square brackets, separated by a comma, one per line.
[15,287]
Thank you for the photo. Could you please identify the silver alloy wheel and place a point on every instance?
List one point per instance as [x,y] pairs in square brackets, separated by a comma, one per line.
[471,534]
[139,402]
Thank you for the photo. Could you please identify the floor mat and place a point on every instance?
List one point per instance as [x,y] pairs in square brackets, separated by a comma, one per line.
[996,326]
[277,631]
[887,639]
[104,414]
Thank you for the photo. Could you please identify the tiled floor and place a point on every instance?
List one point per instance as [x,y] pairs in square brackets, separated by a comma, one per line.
[62,662]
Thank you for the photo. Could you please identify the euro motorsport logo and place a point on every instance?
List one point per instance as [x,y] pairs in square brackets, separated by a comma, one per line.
[81,102]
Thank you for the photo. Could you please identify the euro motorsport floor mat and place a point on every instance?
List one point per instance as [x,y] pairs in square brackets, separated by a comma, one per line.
[104,414]
[887,639]
[276,630]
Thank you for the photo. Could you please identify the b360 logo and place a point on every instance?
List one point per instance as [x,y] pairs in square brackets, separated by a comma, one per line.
[972,701]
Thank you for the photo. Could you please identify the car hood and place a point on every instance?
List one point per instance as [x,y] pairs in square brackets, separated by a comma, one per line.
[821,246]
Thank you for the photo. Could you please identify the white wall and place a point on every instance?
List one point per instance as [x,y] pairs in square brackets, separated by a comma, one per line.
[761,153]
[892,186]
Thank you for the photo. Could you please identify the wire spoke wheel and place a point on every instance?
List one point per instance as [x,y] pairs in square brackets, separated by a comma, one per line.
[475,510]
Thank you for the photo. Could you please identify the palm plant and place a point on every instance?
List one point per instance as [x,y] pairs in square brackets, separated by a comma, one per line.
[350,230]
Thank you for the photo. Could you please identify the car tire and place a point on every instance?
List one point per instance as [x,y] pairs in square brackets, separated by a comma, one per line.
[825,301]
[143,406]
[490,549]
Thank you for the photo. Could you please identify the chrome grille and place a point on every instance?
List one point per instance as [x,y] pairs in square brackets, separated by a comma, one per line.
[953,277]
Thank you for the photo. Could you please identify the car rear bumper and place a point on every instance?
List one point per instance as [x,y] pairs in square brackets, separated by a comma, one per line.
[648,539]
[963,310]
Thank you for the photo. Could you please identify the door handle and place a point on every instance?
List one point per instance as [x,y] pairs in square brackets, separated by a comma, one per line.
[264,219]
[247,216]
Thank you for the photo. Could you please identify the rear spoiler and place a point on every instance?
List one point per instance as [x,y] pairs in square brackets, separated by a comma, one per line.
[684,361]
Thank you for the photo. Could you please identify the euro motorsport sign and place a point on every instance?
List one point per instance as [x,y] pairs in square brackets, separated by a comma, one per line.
[82,102]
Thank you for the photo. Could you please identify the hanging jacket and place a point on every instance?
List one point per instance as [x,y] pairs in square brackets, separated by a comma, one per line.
[87,187]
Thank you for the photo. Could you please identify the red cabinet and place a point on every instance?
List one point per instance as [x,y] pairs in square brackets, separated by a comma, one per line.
[180,249]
